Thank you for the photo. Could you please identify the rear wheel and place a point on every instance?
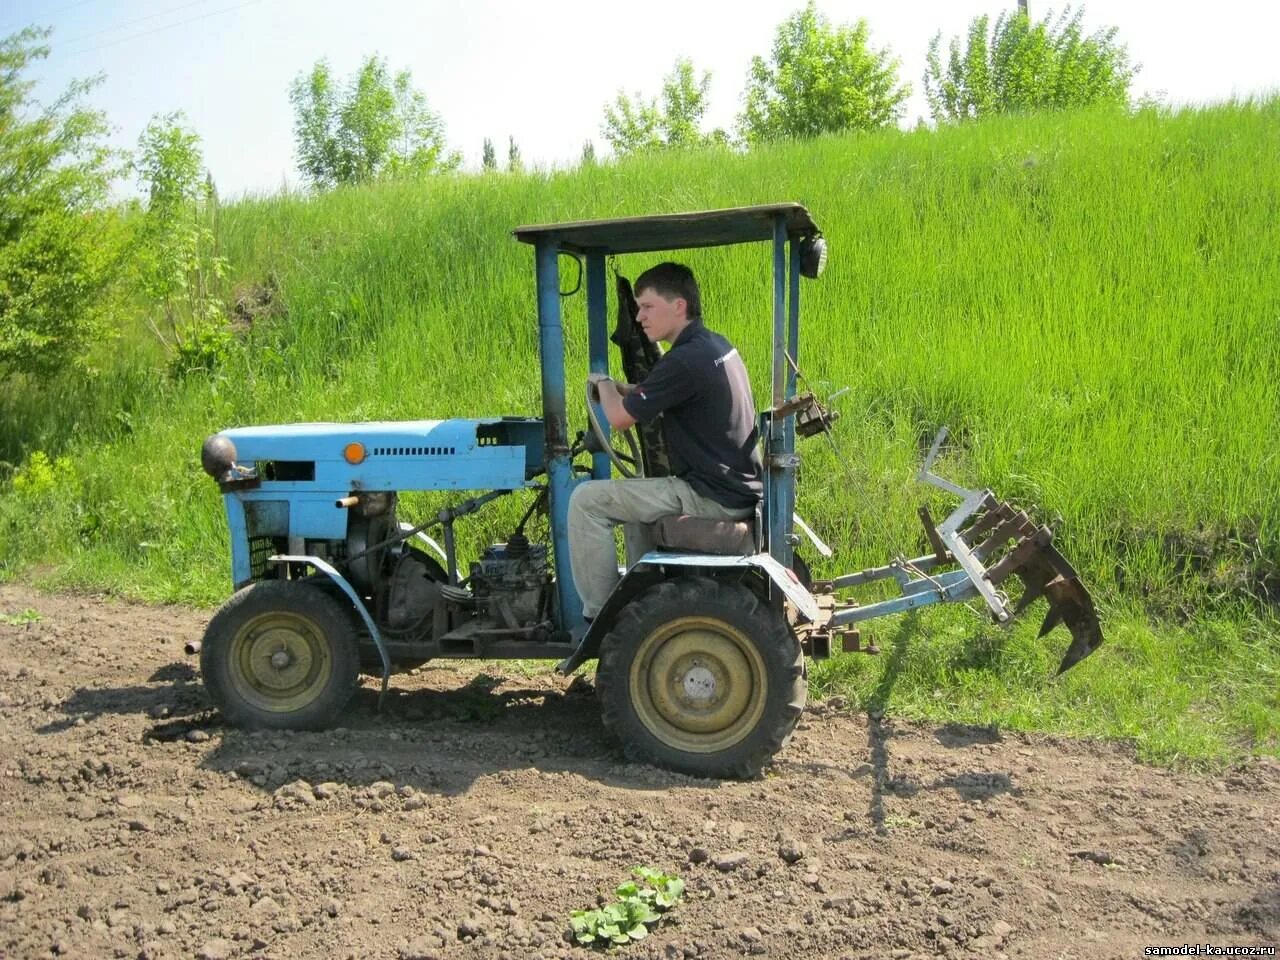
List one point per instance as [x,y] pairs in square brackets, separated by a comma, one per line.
[700,676]
[280,654]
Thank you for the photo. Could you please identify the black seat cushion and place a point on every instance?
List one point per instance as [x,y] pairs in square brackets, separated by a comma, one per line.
[682,532]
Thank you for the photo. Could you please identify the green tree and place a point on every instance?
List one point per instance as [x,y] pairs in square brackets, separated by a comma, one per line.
[489,159]
[588,153]
[631,124]
[419,146]
[514,163]
[820,79]
[1020,65]
[60,248]
[375,125]
[179,266]
[684,102]
[315,122]
[367,126]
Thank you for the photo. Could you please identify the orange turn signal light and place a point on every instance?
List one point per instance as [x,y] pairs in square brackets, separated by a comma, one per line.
[353,453]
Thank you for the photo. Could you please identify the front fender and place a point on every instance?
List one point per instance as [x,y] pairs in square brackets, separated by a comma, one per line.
[345,586]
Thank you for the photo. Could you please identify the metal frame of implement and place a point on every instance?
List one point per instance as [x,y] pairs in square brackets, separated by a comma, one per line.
[970,545]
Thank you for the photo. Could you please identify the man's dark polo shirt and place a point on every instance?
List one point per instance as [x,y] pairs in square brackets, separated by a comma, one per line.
[709,422]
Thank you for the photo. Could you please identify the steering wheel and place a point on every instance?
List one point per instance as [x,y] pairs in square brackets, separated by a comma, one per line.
[629,464]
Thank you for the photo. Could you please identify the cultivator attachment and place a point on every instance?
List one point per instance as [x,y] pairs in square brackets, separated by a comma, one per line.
[1025,550]
[990,541]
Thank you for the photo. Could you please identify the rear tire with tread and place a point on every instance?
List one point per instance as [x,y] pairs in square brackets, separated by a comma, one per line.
[699,676]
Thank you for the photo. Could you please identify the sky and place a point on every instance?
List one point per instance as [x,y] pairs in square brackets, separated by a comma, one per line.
[541,72]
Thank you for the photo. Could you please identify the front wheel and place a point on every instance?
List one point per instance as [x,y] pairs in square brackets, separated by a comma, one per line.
[281,655]
[701,677]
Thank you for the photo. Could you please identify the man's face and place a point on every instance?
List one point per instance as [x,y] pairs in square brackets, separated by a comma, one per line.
[661,318]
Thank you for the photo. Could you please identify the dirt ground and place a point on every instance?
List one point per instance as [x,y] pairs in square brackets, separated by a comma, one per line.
[475,812]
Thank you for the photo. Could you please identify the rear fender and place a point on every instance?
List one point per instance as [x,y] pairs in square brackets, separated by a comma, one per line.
[653,567]
[784,579]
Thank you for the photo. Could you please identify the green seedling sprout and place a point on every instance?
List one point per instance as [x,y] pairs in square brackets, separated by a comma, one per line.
[637,905]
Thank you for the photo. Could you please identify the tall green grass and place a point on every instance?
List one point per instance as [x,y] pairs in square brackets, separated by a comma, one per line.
[1089,301]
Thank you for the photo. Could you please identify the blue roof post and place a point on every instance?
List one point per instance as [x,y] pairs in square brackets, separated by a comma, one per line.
[780,469]
[793,351]
[559,469]
[597,344]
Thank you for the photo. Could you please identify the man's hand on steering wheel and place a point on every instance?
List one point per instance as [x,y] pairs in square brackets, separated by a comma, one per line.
[593,385]
[628,464]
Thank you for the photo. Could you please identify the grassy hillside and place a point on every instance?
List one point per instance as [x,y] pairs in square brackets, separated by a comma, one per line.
[1090,302]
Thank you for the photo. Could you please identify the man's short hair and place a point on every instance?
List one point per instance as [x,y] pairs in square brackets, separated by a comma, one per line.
[671,280]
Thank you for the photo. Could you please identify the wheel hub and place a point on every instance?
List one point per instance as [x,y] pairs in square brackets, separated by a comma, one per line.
[280,661]
[698,684]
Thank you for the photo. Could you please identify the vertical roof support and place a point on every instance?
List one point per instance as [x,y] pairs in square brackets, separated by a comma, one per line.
[779,465]
[559,467]
[793,352]
[598,345]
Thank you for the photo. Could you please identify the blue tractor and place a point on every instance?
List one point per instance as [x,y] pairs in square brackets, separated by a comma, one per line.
[702,646]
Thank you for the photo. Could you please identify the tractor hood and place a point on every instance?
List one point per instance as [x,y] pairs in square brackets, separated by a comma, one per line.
[329,441]
[501,452]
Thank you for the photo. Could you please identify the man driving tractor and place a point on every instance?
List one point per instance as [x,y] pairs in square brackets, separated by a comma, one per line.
[709,426]
[701,649]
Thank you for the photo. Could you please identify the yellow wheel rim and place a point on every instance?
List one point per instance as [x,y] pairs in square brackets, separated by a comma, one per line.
[698,684]
[280,662]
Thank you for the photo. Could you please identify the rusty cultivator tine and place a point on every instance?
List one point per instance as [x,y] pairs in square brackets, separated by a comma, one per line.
[1043,570]
[1069,603]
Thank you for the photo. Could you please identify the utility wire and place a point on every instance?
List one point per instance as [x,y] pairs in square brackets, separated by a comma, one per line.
[129,23]
[168,26]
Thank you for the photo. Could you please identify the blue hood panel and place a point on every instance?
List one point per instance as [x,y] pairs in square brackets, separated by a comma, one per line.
[494,453]
[326,441]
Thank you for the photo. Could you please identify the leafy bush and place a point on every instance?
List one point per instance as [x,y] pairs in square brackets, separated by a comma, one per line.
[59,248]
[179,267]
[205,350]
[41,476]
[820,79]
[632,125]
[41,500]
[377,125]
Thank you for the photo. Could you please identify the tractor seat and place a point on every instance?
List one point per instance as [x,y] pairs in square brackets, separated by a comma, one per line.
[728,537]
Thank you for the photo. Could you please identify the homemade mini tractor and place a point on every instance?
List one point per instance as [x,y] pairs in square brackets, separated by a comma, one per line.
[701,647]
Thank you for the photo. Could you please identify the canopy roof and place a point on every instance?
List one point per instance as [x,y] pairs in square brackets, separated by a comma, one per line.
[672,231]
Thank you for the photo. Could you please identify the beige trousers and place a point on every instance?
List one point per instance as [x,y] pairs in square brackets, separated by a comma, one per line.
[596,506]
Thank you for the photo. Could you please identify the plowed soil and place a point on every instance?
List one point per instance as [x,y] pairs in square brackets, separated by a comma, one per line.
[482,805]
